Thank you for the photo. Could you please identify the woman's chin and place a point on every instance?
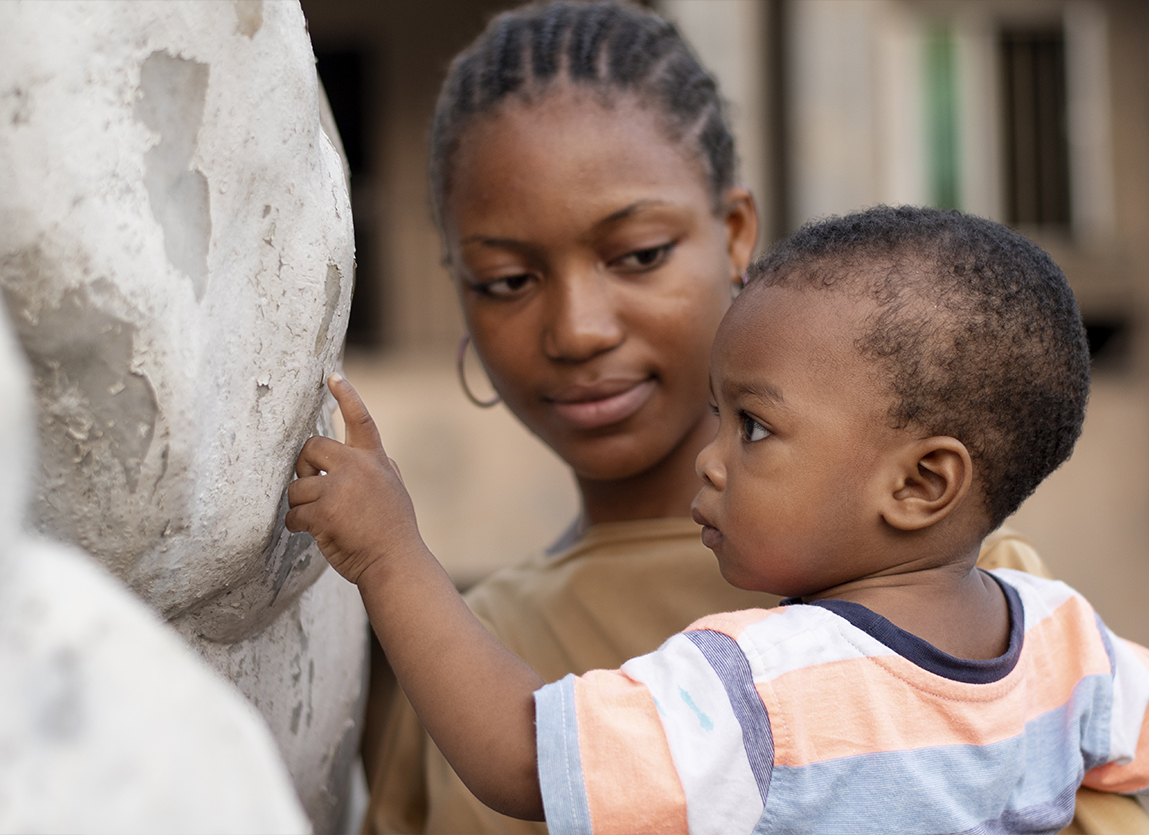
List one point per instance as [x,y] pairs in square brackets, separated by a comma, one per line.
[607,459]
[607,471]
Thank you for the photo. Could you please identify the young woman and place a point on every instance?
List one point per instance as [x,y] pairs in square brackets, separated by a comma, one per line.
[584,180]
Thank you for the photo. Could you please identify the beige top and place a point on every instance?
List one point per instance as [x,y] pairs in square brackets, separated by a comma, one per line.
[619,592]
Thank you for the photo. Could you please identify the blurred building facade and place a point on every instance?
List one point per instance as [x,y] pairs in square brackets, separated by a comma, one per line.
[1031,112]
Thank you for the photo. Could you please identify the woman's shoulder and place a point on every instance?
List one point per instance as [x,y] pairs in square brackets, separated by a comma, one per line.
[656,554]
[607,549]
[1006,548]
[618,592]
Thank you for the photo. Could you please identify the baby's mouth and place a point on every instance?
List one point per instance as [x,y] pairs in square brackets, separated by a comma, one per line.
[711,536]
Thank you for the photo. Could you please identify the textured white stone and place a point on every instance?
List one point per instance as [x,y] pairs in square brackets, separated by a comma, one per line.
[176,256]
[305,673]
[108,721]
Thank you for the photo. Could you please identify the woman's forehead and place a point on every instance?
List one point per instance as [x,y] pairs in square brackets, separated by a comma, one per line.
[569,148]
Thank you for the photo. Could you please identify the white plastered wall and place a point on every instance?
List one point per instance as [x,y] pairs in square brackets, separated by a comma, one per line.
[108,721]
[176,253]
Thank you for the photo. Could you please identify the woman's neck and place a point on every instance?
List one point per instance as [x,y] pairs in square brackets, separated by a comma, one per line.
[664,490]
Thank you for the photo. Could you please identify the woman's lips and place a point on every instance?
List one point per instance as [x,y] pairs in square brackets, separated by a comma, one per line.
[602,405]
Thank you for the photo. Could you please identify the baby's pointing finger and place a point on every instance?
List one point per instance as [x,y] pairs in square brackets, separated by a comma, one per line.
[361,431]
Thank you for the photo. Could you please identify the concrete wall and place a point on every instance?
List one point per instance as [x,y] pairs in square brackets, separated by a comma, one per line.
[108,721]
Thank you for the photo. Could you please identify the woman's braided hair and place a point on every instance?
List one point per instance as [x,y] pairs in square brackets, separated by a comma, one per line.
[608,47]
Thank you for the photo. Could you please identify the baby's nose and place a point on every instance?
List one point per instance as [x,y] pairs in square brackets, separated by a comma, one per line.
[708,466]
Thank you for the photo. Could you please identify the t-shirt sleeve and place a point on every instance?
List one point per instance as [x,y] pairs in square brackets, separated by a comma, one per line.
[659,745]
[1126,768]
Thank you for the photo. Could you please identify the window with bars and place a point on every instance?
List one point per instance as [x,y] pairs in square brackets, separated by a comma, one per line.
[1036,143]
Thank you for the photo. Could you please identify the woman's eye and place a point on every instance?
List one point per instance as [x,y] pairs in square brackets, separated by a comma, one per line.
[645,259]
[508,286]
[752,430]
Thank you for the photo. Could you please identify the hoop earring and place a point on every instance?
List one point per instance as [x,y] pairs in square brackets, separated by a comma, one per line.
[459,356]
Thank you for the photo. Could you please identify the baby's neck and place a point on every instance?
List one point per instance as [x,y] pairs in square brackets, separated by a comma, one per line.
[960,611]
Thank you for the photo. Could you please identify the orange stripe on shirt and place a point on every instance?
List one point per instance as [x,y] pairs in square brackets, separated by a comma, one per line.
[632,785]
[1135,776]
[933,711]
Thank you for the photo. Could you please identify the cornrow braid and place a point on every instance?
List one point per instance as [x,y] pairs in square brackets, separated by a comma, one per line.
[607,46]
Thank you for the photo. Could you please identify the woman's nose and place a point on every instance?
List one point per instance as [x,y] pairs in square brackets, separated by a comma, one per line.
[708,466]
[583,319]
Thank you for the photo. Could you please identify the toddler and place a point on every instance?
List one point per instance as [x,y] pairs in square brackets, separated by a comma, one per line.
[890,386]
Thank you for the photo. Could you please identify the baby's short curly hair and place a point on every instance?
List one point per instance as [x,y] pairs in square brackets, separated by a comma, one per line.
[975,325]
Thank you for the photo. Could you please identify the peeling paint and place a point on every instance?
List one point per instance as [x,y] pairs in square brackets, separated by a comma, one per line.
[248,17]
[310,689]
[291,551]
[164,457]
[332,286]
[82,355]
[172,96]
[158,153]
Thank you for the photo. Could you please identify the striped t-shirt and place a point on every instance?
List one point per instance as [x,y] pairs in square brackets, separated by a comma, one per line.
[828,718]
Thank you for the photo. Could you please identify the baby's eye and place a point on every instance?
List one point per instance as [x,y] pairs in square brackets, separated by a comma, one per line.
[644,259]
[714,409]
[502,287]
[752,430]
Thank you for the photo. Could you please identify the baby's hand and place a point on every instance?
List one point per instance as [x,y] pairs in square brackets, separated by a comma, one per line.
[350,497]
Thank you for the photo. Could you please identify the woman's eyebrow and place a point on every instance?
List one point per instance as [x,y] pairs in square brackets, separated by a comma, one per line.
[511,243]
[627,211]
[495,242]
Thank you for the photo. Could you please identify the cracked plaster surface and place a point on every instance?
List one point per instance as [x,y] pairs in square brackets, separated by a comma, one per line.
[108,721]
[176,256]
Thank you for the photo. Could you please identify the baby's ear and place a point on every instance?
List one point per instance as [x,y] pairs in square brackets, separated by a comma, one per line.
[930,481]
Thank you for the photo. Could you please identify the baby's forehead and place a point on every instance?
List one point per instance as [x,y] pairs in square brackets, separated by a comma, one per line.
[796,351]
[897,287]
[798,324]
[831,308]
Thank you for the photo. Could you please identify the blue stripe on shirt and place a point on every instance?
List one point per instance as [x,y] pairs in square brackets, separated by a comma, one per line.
[733,670]
[560,763]
[1019,784]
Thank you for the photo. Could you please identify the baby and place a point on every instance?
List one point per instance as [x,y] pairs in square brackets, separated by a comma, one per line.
[889,387]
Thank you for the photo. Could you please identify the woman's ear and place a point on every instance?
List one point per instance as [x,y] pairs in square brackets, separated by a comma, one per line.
[931,480]
[741,219]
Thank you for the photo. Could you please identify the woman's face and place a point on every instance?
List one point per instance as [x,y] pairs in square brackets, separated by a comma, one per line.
[593,272]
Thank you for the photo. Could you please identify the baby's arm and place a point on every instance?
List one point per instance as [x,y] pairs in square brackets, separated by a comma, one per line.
[472,694]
